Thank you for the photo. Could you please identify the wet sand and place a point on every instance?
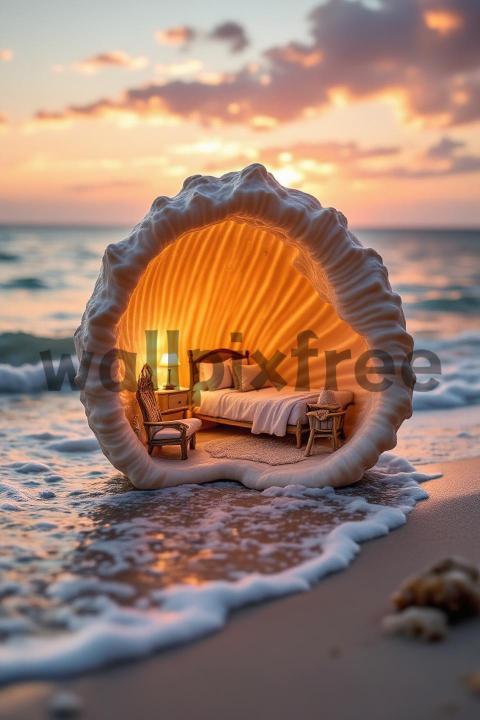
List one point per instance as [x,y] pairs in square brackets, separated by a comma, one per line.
[317,655]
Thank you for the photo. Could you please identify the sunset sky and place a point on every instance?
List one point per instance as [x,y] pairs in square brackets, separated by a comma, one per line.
[373,106]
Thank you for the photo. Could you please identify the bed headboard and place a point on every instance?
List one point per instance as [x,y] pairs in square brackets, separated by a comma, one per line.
[212,356]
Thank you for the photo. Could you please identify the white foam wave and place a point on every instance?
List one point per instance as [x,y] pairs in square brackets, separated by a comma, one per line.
[29,378]
[182,613]
[450,394]
[75,445]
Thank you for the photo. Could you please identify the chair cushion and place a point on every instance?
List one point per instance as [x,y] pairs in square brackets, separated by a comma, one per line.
[338,398]
[169,433]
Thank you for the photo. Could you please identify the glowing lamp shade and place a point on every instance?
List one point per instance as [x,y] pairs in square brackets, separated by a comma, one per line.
[169,361]
[242,262]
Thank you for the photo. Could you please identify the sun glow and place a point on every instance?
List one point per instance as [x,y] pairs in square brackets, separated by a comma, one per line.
[6,55]
[442,21]
[263,122]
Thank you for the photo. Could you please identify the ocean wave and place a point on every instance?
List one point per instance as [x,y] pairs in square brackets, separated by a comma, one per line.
[29,379]
[20,348]
[25,283]
[452,393]
[458,385]
[465,343]
[106,620]
[464,305]
[8,257]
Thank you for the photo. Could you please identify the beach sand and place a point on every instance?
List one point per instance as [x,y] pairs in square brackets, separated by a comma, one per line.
[320,654]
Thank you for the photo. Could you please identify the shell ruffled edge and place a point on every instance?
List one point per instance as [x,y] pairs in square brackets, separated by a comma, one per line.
[369,305]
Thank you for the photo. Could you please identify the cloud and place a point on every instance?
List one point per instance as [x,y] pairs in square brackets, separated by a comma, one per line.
[188,67]
[179,36]
[3,121]
[442,21]
[322,161]
[229,32]
[441,159]
[114,59]
[103,186]
[233,34]
[304,162]
[329,151]
[49,119]
[393,51]
[6,55]
[444,148]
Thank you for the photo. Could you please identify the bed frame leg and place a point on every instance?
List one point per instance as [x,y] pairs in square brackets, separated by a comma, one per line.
[298,434]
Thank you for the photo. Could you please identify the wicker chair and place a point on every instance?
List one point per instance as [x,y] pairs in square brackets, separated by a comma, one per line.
[164,432]
[325,421]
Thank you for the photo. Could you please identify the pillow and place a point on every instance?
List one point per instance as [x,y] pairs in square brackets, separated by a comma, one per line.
[243,375]
[216,376]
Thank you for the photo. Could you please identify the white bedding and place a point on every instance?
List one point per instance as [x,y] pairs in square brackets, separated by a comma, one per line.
[269,410]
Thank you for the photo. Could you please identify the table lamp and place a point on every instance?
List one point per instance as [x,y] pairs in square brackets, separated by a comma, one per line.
[169,361]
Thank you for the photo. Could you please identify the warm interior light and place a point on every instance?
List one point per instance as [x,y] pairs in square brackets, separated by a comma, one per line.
[169,360]
[237,277]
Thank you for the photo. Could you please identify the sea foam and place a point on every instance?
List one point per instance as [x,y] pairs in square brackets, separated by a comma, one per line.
[106,621]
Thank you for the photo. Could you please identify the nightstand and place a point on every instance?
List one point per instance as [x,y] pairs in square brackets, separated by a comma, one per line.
[170,401]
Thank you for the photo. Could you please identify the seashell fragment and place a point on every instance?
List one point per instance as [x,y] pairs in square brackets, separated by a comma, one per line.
[451,585]
[419,622]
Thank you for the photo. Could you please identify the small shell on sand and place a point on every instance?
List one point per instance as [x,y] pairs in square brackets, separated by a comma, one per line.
[451,585]
[420,622]
[65,705]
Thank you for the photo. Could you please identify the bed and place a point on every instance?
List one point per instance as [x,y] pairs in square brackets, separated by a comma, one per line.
[267,410]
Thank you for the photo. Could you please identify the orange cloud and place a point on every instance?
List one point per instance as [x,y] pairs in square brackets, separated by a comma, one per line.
[48,119]
[116,58]
[106,185]
[314,162]
[442,21]
[296,54]
[178,36]
[310,161]
[387,53]
[189,67]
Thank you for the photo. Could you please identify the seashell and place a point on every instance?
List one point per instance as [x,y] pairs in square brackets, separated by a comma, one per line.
[451,585]
[241,253]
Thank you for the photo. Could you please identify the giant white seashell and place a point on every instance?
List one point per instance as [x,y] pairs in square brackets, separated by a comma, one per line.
[242,253]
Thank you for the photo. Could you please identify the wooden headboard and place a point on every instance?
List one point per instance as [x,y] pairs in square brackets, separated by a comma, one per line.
[211,356]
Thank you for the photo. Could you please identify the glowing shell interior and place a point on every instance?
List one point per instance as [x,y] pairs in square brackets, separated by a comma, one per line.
[241,253]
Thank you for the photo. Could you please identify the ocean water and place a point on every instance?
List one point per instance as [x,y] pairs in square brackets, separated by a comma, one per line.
[93,572]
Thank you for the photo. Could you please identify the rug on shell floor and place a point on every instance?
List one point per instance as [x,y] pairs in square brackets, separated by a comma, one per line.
[271,451]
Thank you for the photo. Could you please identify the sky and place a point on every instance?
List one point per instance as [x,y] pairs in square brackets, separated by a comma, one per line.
[373,106]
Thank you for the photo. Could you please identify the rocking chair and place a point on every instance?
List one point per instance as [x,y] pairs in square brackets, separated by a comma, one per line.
[161,432]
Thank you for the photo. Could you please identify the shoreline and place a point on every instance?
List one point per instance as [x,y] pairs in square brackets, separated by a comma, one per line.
[317,653]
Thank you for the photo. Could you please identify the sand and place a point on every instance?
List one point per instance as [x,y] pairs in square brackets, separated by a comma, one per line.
[317,655]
